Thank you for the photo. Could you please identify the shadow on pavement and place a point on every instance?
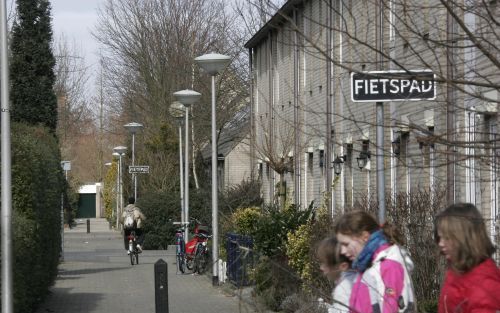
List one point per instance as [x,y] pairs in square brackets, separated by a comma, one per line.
[86,271]
[73,302]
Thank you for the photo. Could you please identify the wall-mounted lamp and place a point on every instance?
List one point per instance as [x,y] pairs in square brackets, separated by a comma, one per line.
[337,164]
[396,146]
[363,159]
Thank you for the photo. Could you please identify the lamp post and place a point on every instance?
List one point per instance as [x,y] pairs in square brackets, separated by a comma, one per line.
[177,111]
[187,98]
[117,189]
[121,152]
[66,166]
[133,128]
[6,170]
[213,63]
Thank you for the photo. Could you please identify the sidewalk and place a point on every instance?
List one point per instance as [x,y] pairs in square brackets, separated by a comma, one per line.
[96,277]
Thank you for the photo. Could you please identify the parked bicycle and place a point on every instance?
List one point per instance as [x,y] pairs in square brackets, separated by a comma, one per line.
[195,254]
[132,248]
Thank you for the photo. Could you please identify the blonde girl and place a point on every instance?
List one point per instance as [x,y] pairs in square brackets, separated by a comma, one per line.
[472,281]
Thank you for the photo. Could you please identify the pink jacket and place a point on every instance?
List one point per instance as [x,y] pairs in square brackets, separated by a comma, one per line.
[386,285]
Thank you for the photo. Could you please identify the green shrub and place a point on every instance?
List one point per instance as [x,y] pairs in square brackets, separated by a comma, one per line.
[37,185]
[245,220]
[274,281]
[161,210]
[109,194]
[273,226]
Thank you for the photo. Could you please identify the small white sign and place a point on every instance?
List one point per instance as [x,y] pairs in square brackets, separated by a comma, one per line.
[66,165]
[138,169]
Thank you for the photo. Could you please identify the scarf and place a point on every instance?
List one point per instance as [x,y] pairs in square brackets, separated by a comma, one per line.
[376,240]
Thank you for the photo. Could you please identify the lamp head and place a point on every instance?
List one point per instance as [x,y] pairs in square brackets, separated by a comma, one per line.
[187,97]
[133,127]
[213,63]
[363,159]
[337,165]
[120,150]
[176,110]
[396,145]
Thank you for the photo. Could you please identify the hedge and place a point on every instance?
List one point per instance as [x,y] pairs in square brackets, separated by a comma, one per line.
[37,184]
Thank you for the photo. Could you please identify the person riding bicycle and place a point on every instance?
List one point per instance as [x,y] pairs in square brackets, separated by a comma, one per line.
[132,220]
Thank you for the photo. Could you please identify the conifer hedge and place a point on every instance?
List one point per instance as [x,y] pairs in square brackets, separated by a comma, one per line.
[37,184]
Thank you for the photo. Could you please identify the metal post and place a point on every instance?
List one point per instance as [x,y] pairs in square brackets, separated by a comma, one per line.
[181,167]
[7,273]
[380,162]
[450,103]
[161,286]
[61,257]
[186,174]
[119,197]
[117,193]
[134,176]
[88,226]
[215,213]
[380,121]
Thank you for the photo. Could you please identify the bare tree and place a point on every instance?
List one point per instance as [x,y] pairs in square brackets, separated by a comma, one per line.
[75,115]
[148,53]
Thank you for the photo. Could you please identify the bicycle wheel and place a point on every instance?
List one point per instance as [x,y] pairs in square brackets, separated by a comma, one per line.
[201,261]
[190,263]
[132,258]
[180,263]
[136,253]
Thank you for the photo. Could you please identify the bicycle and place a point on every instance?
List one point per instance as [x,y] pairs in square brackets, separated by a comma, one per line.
[180,248]
[192,255]
[201,258]
[132,248]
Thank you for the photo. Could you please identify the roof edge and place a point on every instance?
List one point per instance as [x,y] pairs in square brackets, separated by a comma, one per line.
[276,19]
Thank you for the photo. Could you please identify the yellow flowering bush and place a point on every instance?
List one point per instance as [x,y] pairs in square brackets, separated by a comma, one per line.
[245,220]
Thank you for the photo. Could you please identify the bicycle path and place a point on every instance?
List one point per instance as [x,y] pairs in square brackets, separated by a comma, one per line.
[96,277]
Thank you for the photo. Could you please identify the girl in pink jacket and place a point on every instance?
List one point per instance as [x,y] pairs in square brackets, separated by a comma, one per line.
[384,284]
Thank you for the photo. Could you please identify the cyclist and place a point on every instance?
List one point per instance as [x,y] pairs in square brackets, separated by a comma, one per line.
[132,219]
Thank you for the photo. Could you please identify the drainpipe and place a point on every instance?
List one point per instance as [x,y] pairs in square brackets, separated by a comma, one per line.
[296,81]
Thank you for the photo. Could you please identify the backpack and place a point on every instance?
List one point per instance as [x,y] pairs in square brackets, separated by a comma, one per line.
[128,222]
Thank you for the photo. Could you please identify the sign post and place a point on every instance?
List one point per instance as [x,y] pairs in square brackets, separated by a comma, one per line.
[379,86]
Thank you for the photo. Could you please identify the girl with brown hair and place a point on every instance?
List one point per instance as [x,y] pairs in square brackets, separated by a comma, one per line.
[472,281]
[337,268]
[384,283]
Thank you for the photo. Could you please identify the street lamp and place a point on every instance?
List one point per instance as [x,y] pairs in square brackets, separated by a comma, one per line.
[213,63]
[121,152]
[177,111]
[363,159]
[337,165]
[117,188]
[187,98]
[66,166]
[133,128]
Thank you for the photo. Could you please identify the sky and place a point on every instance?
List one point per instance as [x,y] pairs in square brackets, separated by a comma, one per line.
[76,19]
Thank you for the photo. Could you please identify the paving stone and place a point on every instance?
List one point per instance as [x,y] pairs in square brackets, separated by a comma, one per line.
[96,277]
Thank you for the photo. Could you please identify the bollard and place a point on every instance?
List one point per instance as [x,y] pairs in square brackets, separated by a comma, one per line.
[161,287]
[88,226]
